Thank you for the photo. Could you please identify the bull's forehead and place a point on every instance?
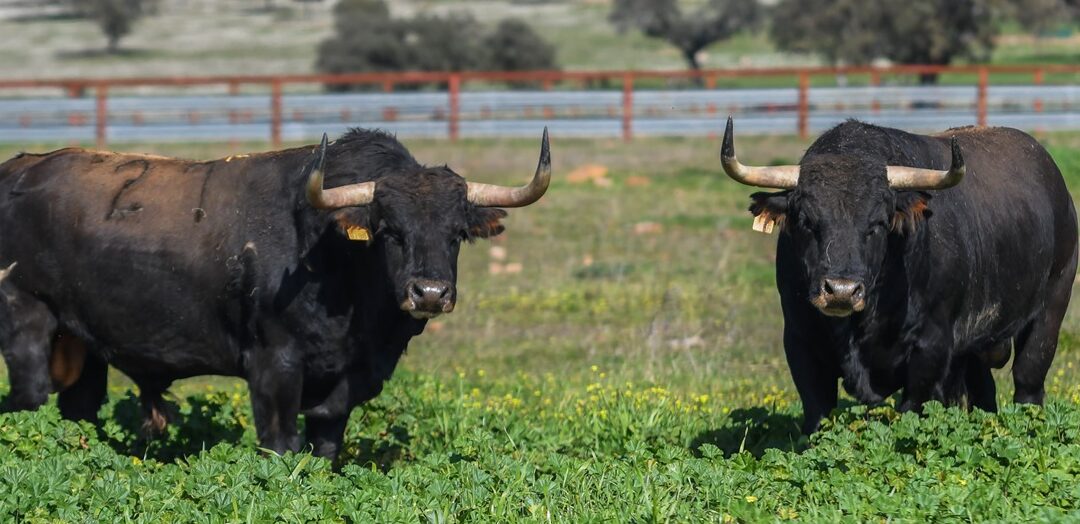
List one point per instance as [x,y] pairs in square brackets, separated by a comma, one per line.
[434,196]
[850,185]
[842,172]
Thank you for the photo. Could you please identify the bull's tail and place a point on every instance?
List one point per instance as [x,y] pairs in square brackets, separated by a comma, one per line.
[155,413]
[4,273]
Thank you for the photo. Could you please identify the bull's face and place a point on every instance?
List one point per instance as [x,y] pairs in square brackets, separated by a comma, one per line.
[841,212]
[840,217]
[420,222]
[416,223]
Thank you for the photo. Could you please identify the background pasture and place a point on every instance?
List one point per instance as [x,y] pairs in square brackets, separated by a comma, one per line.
[615,356]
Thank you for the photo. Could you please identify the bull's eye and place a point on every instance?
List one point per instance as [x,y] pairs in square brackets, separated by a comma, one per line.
[875,230]
[389,234]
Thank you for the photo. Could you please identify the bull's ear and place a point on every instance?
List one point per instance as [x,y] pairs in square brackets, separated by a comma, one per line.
[912,207]
[769,210]
[354,223]
[484,222]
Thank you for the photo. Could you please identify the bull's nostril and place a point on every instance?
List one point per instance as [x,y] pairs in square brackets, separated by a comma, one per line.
[444,292]
[842,289]
[417,291]
[857,294]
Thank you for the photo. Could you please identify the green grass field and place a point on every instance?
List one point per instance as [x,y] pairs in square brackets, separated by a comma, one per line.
[632,371]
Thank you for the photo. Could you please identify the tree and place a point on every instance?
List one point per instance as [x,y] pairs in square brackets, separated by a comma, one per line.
[714,21]
[115,17]
[909,32]
[367,38]
[1040,16]
[514,46]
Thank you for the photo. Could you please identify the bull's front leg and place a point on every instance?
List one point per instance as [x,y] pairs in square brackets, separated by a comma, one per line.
[815,378]
[275,379]
[325,422]
[928,368]
[326,435]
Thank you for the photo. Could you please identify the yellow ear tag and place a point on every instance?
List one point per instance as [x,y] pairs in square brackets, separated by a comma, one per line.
[764,224]
[357,233]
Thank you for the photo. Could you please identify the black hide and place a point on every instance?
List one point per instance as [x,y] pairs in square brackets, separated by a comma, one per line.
[168,269]
[951,280]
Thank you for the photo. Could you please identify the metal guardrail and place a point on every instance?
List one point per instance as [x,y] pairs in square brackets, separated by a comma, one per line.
[623,110]
[521,113]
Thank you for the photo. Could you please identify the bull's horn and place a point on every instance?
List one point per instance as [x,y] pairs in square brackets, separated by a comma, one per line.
[489,195]
[901,177]
[338,197]
[778,177]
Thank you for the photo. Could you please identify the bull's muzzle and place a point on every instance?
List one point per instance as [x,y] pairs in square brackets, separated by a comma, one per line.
[840,297]
[426,298]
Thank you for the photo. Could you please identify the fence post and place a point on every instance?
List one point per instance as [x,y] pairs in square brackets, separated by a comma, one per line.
[455,105]
[628,106]
[875,80]
[984,81]
[275,113]
[1038,80]
[102,115]
[804,104]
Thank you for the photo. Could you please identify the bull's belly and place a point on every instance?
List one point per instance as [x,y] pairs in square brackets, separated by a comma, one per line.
[158,349]
[173,362]
[177,335]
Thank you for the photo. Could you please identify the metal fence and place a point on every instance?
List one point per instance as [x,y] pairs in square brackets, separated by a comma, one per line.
[584,104]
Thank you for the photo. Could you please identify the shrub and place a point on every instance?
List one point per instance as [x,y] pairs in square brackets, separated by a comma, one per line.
[368,39]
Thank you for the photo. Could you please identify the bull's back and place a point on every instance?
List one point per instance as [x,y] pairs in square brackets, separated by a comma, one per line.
[113,243]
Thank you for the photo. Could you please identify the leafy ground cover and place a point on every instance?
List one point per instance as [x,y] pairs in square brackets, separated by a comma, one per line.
[529,448]
[629,370]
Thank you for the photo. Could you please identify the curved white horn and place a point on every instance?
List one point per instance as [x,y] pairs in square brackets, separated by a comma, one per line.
[778,177]
[490,195]
[914,178]
[338,197]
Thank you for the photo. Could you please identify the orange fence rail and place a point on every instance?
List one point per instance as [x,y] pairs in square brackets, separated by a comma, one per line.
[454,83]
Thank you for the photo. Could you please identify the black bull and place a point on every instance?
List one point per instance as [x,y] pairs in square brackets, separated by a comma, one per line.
[244,267]
[890,278]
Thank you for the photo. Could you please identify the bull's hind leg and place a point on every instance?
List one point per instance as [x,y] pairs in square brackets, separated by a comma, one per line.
[1035,348]
[981,390]
[26,332]
[1037,342]
[83,398]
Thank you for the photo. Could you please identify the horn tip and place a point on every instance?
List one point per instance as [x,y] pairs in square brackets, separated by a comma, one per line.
[545,149]
[727,149]
[957,154]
